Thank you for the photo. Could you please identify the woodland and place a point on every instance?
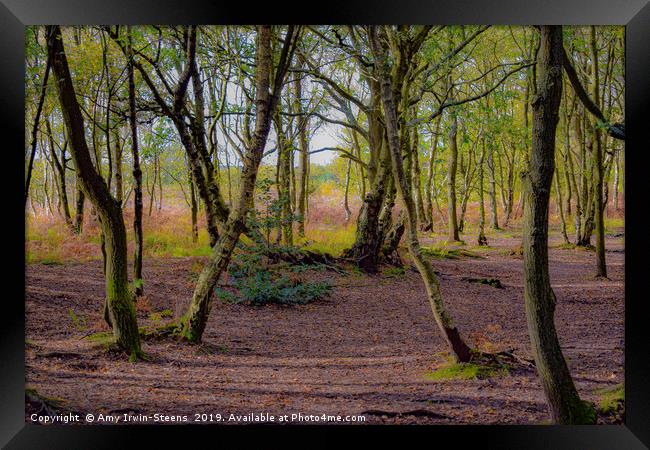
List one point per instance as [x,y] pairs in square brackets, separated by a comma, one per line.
[400,224]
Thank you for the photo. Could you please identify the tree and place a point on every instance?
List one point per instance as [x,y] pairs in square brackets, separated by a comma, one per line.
[119,298]
[137,173]
[194,320]
[452,164]
[601,267]
[565,405]
[390,84]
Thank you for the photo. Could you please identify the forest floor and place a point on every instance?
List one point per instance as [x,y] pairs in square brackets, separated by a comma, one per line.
[366,349]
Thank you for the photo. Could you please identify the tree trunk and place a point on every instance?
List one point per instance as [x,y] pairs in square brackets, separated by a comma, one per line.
[59,168]
[152,191]
[194,320]
[467,182]
[160,186]
[459,349]
[392,239]
[482,240]
[303,161]
[559,206]
[492,192]
[284,182]
[119,185]
[428,191]
[346,205]
[193,209]
[564,403]
[37,118]
[601,266]
[616,179]
[137,179]
[118,296]
[452,159]
[79,211]
[365,250]
[416,179]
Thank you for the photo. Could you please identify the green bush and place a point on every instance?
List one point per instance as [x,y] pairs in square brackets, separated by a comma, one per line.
[264,287]
[259,283]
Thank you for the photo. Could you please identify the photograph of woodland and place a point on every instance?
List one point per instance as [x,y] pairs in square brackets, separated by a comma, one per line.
[324,224]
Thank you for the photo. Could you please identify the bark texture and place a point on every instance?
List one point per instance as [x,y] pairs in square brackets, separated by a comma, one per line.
[118,296]
[565,406]
[460,350]
[137,179]
[194,320]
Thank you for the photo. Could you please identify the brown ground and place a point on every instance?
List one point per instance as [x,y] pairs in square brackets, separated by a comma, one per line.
[365,348]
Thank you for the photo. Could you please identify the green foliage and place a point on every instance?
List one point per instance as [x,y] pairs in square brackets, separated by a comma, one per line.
[613,224]
[394,272]
[448,253]
[158,316]
[162,243]
[52,261]
[330,240]
[257,282]
[103,339]
[611,399]
[271,216]
[263,287]
[466,371]
[226,296]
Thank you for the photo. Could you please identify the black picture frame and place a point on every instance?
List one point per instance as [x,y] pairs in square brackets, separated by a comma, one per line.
[634,14]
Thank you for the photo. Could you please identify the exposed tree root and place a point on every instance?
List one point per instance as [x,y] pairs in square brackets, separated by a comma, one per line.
[494,282]
[303,257]
[503,359]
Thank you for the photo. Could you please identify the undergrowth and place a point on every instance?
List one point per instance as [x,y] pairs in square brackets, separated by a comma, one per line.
[611,400]
[466,371]
[256,281]
[448,253]
[481,366]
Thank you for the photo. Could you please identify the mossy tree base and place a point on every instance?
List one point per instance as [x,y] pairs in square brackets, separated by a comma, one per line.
[481,365]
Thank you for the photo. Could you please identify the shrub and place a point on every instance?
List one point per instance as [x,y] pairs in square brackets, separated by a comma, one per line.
[264,287]
[260,283]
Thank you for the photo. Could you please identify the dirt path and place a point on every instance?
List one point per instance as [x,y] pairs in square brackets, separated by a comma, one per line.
[366,348]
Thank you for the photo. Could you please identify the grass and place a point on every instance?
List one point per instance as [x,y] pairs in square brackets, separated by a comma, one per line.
[394,272]
[441,252]
[331,240]
[169,244]
[566,246]
[49,241]
[158,316]
[611,399]
[167,233]
[106,340]
[56,402]
[614,223]
[465,371]
[54,260]
[102,339]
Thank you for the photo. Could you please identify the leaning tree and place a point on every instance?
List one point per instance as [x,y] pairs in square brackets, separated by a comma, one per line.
[119,298]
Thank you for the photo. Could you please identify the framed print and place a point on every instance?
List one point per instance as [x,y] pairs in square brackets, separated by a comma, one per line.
[403,218]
